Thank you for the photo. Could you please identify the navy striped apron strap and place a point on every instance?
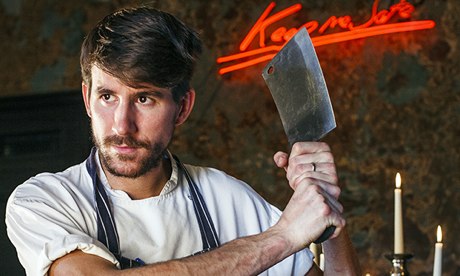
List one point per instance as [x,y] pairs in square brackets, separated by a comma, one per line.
[208,232]
[105,223]
[106,228]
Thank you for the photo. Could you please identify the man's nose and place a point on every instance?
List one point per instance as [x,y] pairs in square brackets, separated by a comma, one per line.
[124,119]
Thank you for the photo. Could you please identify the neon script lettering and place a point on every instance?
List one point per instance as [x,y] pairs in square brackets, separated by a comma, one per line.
[376,25]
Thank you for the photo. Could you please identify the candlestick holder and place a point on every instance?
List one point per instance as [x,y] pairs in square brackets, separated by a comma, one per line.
[399,264]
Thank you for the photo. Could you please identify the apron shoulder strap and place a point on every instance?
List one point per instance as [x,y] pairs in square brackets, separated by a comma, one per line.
[106,227]
[208,232]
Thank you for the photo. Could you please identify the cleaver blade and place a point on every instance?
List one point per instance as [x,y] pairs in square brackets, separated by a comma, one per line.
[297,85]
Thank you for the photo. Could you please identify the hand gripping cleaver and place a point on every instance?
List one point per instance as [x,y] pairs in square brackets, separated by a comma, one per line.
[299,90]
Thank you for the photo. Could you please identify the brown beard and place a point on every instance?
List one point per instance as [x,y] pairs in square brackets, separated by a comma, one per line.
[156,153]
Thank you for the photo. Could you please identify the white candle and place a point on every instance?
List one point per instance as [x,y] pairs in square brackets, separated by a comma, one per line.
[399,237]
[314,250]
[437,269]
[321,261]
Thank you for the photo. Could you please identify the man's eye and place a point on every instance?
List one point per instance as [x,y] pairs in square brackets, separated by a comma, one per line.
[106,97]
[144,99]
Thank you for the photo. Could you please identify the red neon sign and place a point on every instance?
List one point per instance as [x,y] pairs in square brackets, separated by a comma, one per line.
[376,25]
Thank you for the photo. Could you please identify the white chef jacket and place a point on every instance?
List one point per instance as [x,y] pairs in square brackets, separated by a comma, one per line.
[51,215]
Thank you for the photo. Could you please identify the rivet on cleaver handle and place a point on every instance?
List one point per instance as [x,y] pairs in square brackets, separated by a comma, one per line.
[297,85]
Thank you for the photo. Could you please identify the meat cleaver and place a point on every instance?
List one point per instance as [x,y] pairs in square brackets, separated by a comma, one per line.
[299,90]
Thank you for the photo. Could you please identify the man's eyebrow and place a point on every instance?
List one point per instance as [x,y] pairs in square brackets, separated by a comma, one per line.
[151,93]
[103,90]
[157,93]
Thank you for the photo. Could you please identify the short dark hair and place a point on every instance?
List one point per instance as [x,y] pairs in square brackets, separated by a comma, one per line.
[142,45]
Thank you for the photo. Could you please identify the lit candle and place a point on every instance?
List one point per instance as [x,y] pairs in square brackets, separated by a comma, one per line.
[437,269]
[399,237]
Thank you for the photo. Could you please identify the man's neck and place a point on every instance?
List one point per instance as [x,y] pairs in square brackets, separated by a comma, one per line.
[148,185]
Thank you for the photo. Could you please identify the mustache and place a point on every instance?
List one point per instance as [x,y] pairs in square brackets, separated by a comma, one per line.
[125,140]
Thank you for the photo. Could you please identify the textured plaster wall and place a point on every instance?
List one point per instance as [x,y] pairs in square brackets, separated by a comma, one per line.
[396,99]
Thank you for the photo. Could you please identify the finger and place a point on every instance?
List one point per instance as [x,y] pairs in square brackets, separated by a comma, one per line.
[327,209]
[331,213]
[323,161]
[299,172]
[326,193]
[309,147]
[333,203]
[330,188]
[317,158]
[281,159]
[323,171]
[323,167]
[339,222]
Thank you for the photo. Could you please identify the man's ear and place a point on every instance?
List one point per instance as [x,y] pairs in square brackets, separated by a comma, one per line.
[185,106]
[85,91]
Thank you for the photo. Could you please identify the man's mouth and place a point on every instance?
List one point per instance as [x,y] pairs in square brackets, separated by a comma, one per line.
[124,145]
[124,149]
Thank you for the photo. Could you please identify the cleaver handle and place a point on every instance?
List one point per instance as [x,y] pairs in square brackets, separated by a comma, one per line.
[326,234]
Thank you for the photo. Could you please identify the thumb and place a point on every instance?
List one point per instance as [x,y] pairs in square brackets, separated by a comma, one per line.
[281,159]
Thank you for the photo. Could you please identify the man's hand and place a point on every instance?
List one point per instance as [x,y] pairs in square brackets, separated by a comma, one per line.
[311,172]
[308,159]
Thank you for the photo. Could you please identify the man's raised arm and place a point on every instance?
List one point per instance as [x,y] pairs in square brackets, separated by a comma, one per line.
[312,164]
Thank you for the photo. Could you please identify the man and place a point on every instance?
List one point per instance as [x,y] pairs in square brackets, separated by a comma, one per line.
[135,206]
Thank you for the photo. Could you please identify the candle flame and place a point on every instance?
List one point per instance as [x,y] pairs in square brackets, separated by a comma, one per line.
[439,234]
[398,180]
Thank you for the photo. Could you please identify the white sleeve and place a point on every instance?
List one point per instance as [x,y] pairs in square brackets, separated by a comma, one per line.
[44,229]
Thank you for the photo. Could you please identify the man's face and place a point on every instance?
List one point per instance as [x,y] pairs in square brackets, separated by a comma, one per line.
[132,127]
